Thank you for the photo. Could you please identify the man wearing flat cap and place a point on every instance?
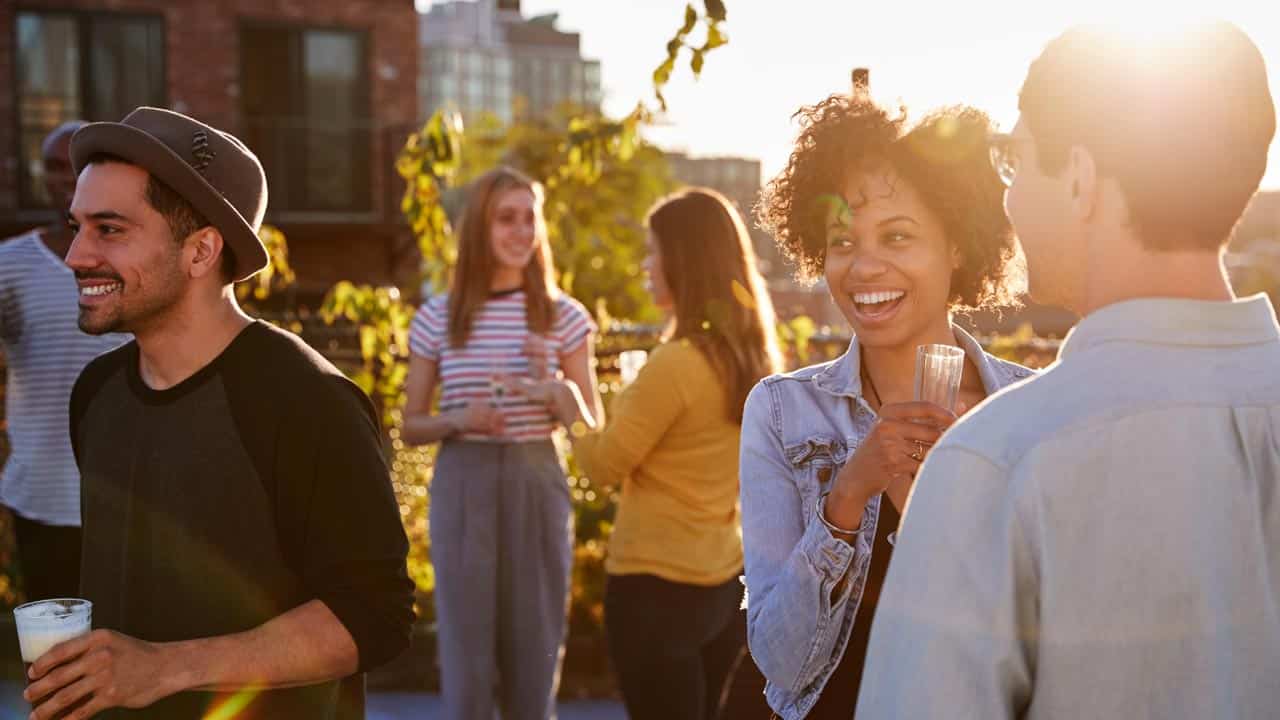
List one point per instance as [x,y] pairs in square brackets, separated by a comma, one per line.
[243,549]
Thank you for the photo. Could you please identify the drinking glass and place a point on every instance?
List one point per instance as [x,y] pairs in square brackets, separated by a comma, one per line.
[629,364]
[938,371]
[46,623]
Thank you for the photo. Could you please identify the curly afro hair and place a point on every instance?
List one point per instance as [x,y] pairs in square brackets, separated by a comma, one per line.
[943,157]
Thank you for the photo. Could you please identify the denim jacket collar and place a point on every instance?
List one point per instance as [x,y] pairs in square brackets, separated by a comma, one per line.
[843,377]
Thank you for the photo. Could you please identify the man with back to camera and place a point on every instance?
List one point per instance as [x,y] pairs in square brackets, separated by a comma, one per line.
[1103,541]
[243,547]
[44,353]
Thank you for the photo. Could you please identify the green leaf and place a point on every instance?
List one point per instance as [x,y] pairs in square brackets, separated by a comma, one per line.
[663,74]
[715,38]
[397,374]
[626,147]
[690,19]
[364,379]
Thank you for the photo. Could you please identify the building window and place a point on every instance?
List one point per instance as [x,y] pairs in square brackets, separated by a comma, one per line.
[77,65]
[502,69]
[576,91]
[591,81]
[306,113]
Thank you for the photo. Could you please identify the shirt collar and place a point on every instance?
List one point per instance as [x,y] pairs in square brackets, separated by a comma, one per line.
[844,376]
[1170,321]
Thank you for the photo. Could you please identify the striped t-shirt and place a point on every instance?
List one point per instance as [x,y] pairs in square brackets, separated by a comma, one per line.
[45,352]
[495,347]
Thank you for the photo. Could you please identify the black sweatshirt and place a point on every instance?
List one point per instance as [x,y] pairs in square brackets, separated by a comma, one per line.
[254,486]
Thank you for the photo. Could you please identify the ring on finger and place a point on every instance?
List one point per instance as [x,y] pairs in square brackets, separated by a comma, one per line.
[918,455]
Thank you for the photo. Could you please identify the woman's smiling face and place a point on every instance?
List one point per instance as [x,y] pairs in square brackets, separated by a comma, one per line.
[888,262]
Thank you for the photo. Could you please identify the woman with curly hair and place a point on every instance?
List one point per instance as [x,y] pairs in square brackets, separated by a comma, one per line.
[906,225]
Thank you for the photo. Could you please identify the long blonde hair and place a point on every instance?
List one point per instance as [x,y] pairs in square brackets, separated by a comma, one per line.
[721,303]
[471,277]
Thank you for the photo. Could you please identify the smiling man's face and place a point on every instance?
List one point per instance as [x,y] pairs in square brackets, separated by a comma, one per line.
[128,265]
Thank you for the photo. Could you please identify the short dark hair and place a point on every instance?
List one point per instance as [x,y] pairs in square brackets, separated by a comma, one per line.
[943,157]
[1185,136]
[181,217]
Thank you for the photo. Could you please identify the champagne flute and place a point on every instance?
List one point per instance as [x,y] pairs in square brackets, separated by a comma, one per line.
[938,372]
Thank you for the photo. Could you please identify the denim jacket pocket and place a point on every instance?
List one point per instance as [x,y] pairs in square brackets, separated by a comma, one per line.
[816,462]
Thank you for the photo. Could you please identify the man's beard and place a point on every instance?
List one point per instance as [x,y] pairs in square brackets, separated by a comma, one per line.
[129,314]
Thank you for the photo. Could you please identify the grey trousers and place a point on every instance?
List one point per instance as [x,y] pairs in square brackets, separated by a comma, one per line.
[501,526]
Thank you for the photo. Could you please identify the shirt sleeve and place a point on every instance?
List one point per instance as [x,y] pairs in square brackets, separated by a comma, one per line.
[959,607]
[86,387]
[640,415]
[428,328]
[801,580]
[351,545]
[573,324]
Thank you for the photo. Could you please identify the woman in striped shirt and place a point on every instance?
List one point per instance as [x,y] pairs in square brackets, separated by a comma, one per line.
[500,518]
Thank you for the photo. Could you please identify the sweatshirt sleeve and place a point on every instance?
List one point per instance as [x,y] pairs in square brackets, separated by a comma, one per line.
[640,415]
[350,544]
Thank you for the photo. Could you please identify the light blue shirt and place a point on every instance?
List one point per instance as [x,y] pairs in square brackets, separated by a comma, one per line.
[797,430]
[1102,541]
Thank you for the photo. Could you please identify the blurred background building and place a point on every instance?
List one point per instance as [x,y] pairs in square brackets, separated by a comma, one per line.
[485,57]
[739,179]
[324,93]
[1253,258]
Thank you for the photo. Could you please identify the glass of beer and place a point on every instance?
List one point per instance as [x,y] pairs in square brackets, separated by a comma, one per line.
[46,623]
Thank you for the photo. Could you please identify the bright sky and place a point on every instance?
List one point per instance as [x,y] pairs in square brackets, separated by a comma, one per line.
[786,53]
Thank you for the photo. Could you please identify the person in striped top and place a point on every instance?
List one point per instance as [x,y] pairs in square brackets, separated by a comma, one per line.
[500,520]
[496,348]
[44,353]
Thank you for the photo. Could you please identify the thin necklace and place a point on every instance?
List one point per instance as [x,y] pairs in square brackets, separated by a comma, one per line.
[872,384]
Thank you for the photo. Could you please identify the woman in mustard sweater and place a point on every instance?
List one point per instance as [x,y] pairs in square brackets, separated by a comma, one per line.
[671,445]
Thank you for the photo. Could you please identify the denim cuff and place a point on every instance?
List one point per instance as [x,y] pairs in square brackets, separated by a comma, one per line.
[829,555]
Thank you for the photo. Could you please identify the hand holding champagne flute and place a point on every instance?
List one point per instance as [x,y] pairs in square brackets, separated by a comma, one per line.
[890,456]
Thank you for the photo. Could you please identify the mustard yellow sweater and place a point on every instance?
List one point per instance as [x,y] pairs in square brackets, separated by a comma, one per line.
[670,445]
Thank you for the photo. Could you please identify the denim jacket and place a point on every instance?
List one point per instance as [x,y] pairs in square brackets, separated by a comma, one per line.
[798,430]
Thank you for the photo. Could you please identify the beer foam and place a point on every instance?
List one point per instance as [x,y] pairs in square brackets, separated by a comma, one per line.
[46,624]
[35,643]
[49,610]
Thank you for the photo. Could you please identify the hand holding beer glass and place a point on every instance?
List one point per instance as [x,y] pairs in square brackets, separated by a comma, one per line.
[46,623]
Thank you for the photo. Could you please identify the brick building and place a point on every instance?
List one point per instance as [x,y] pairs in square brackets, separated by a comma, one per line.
[324,92]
